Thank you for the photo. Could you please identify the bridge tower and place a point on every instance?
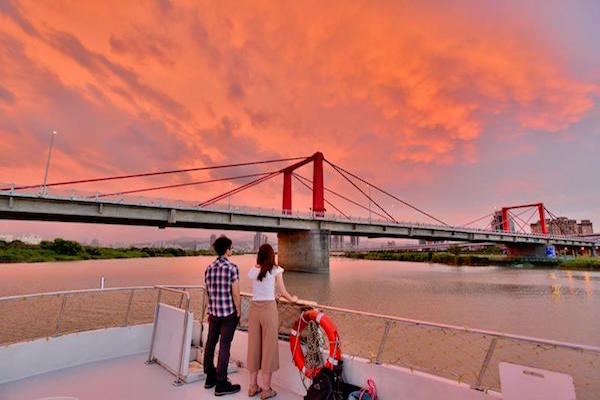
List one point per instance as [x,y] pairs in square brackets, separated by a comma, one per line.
[306,251]
[318,207]
[525,250]
[540,207]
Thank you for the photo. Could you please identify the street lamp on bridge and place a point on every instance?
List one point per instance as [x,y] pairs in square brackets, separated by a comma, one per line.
[369,188]
[44,189]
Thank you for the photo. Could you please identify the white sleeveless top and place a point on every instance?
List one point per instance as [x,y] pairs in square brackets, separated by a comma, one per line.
[264,290]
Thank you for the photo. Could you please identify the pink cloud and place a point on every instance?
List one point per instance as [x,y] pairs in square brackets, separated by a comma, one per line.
[375,86]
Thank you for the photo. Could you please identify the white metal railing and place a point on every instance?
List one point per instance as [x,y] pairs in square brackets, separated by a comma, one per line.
[460,353]
[467,355]
[32,316]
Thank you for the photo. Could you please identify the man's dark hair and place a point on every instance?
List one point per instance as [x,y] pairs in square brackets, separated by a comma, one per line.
[222,244]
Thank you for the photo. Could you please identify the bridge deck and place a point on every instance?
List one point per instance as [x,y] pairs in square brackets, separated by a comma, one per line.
[64,209]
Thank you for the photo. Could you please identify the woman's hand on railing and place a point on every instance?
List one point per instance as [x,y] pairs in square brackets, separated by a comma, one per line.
[306,304]
[288,299]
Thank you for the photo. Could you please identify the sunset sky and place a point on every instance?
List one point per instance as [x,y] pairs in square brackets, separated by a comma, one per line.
[457,107]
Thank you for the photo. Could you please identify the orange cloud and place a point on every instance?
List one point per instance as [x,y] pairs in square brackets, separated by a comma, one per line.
[139,86]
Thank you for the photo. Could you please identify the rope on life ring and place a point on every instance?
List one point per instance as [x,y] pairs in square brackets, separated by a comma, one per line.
[327,325]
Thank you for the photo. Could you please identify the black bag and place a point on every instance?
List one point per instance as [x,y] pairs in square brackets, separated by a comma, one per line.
[321,388]
[330,385]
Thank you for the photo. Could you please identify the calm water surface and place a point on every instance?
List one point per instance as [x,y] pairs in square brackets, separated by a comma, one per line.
[553,304]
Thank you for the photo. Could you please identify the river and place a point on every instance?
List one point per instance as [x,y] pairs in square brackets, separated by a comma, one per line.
[551,304]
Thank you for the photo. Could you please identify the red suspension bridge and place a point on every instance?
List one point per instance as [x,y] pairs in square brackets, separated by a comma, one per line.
[303,238]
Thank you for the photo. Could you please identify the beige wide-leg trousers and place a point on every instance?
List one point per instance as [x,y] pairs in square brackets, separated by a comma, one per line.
[263,329]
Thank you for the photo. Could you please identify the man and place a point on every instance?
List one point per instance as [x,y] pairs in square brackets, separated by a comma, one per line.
[222,279]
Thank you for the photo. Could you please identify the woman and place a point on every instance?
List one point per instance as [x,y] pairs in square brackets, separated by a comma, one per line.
[263,321]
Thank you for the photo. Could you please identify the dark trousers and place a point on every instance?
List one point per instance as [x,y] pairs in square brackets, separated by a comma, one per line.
[225,328]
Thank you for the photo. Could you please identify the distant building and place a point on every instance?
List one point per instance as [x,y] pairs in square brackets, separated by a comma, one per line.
[498,222]
[25,238]
[336,242]
[426,242]
[197,246]
[30,239]
[585,227]
[564,226]
[259,240]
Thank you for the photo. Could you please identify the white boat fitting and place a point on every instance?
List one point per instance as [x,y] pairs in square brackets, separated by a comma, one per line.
[94,343]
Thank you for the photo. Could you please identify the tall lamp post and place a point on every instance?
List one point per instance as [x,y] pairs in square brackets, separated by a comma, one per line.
[369,188]
[229,197]
[44,189]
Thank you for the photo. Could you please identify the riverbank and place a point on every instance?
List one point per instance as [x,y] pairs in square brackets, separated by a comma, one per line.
[474,259]
[67,250]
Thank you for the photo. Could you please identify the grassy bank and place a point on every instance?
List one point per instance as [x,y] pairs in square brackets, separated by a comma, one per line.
[470,259]
[581,263]
[66,250]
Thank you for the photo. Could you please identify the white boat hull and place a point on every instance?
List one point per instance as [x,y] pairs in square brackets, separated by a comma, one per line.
[21,362]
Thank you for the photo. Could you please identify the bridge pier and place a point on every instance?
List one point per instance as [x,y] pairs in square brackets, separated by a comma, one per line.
[594,251]
[519,250]
[304,251]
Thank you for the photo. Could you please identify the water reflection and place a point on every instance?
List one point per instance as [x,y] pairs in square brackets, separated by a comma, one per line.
[552,304]
[556,290]
[571,282]
[589,290]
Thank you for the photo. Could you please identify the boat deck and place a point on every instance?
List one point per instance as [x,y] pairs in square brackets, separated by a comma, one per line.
[121,378]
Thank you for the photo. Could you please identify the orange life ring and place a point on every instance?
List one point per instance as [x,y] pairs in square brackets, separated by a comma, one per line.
[335,351]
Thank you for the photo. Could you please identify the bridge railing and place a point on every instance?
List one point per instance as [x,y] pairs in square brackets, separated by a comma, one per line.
[469,356]
[62,194]
[128,199]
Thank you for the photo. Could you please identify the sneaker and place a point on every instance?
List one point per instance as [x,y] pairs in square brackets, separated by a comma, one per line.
[226,387]
[211,381]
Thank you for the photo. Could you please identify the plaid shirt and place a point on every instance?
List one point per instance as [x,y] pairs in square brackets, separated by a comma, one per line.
[218,278]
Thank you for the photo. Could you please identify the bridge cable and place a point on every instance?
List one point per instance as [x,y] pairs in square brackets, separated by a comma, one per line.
[528,219]
[559,223]
[244,187]
[477,220]
[554,218]
[146,174]
[343,197]
[238,189]
[326,201]
[178,185]
[494,225]
[534,211]
[388,194]
[511,214]
[514,218]
[360,190]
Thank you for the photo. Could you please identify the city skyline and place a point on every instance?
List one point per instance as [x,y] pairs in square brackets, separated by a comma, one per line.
[504,111]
